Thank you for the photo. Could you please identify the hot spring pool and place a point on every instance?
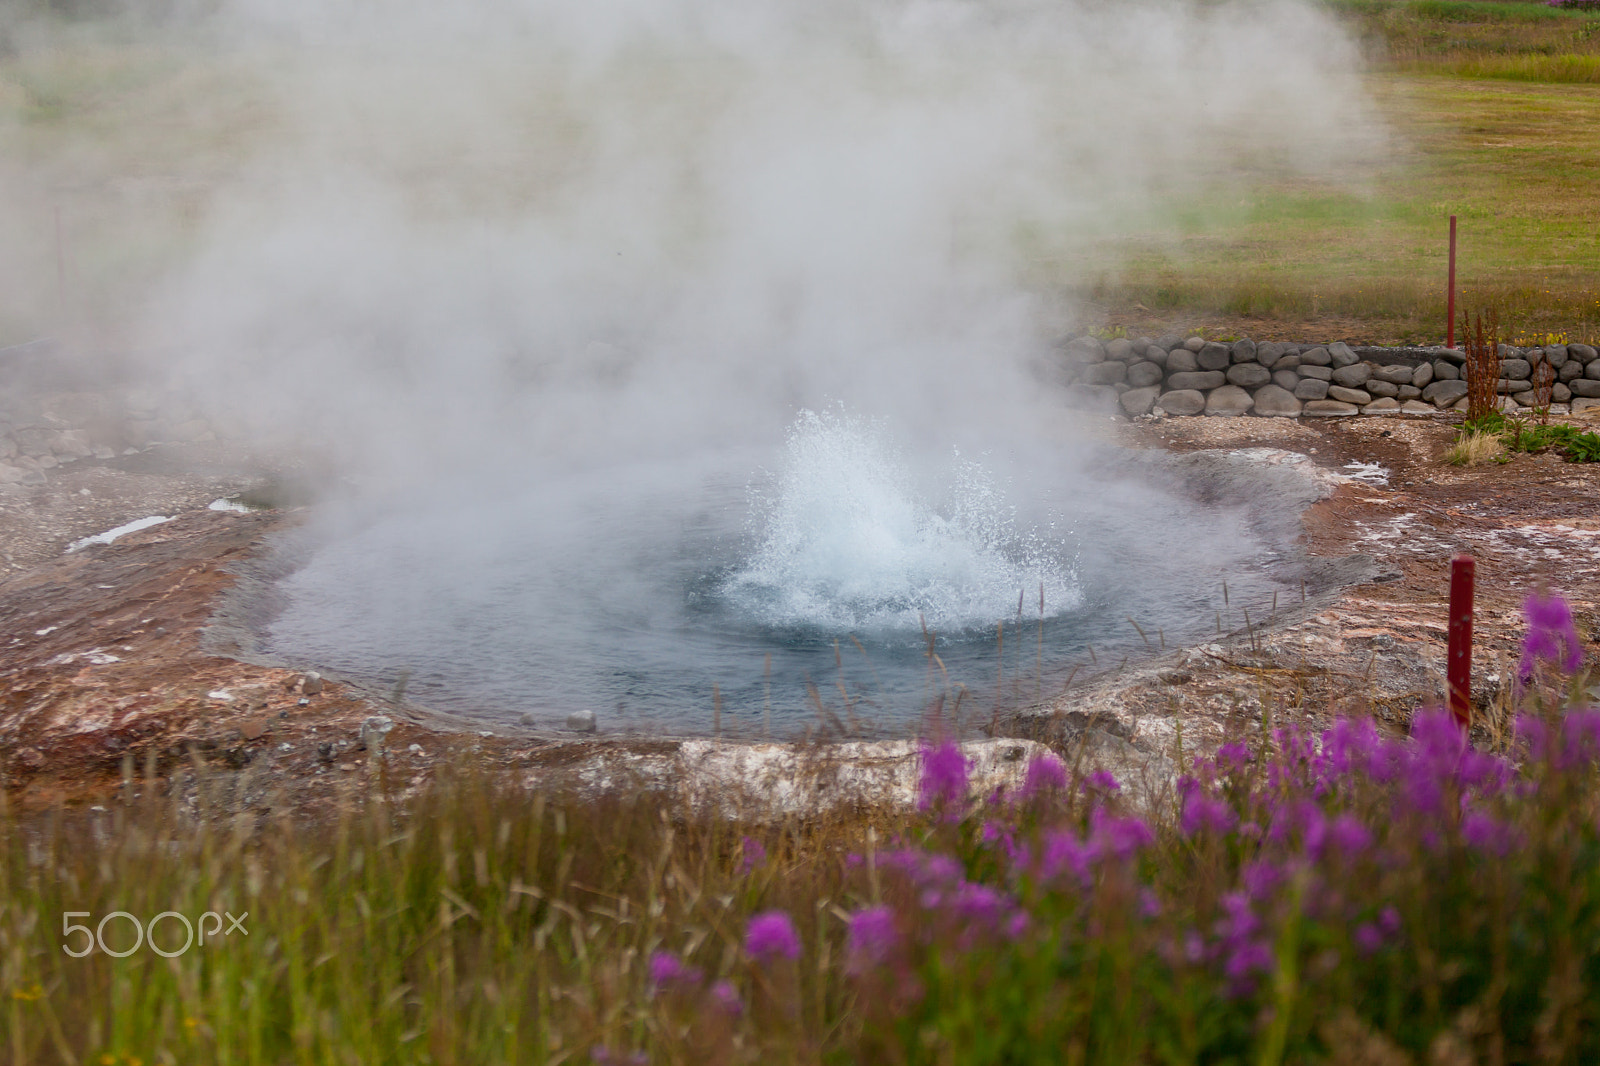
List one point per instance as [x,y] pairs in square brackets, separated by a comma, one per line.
[751,588]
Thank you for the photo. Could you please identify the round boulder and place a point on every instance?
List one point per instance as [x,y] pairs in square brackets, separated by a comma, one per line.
[1085,350]
[1311,389]
[1422,375]
[1138,402]
[1108,373]
[1328,409]
[1120,349]
[1244,351]
[1341,355]
[1181,361]
[1229,401]
[1515,369]
[1360,397]
[1143,375]
[1445,393]
[1182,402]
[1248,375]
[1285,379]
[1214,356]
[1353,375]
[1274,401]
[1315,357]
[1395,374]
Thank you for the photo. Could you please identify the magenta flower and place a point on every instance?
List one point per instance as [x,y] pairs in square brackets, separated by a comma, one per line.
[1551,636]
[1119,836]
[1045,772]
[770,936]
[872,936]
[1101,781]
[753,854]
[726,997]
[944,775]
[1349,836]
[667,970]
[1203,813]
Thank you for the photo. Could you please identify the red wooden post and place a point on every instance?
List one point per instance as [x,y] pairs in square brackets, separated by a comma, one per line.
[1458,665]
[1450,292]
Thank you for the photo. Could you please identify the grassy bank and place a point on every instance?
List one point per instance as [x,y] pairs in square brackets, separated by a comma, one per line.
[1492,106]
[1352,897]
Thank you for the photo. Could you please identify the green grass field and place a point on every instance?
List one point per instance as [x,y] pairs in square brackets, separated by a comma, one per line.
[1495,107]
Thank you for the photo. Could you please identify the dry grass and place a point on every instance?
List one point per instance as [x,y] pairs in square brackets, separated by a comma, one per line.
[1475,449]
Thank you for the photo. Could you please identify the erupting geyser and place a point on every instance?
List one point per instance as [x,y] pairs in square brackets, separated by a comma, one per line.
[833,573]
[545,282]
[849,543]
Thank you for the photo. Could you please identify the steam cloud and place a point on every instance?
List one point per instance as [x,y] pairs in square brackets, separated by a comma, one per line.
[549,282]
[573,232]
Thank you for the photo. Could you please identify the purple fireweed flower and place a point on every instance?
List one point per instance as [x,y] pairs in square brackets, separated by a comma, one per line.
[1580,734]
[1045,773]
[1353,747]
[1261,877]
[1487,834]
[1551,636]
[667,970]
[753,854]
[1389,921]
[1017,925]
[1348,836]
[1065,852]
[1149,903]
[872,935]
[1251,957]
[771,935]
[1231,757]
[1203,813]
[1101,781]
[1122,837]
[1241,921]
[979,903]
[1368,938]
[944,775]
[726,997]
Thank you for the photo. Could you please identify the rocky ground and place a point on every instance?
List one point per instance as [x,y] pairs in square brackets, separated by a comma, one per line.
[115,658]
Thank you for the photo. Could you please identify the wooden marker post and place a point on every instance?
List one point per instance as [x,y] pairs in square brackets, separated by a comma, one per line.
[1458,665]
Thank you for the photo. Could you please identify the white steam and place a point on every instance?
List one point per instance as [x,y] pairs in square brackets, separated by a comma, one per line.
[582,230]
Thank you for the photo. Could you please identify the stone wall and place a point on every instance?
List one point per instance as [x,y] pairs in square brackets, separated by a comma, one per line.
[1192,376]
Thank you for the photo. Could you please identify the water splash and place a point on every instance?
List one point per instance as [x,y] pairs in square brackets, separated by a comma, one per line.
[847,542]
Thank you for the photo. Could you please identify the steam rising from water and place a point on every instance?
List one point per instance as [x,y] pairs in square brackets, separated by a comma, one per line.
[850,544]
[544,282]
